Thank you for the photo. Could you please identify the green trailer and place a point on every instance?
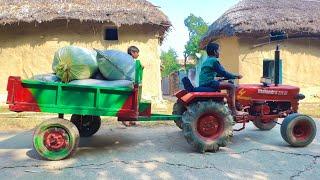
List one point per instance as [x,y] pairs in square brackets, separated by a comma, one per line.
[58,138]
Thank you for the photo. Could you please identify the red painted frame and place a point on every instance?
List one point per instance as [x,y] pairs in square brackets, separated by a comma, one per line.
[190,97]
[20,98]
[246,95]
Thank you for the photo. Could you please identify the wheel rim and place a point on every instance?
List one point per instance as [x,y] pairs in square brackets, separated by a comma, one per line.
[302,130]
[209,127]
[55,139]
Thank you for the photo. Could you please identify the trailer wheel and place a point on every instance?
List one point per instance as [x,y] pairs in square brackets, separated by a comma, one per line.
[87,125]
[207,126]
[56,139]
[178,109]
[264,126]
[298,130]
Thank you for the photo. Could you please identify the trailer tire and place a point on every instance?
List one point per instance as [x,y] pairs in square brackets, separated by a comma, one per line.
[207,126]
[178,109]
[264,126]
[298,130]
[56,139]
[87,125]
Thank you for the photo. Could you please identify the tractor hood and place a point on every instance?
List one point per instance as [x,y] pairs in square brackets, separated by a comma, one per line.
[266,93]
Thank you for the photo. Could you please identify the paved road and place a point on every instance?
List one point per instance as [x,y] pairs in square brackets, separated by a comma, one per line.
[163,153]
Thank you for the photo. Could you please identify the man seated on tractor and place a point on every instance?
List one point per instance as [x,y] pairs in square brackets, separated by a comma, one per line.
[210,68]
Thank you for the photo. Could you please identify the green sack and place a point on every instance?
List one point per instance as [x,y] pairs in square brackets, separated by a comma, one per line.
[116,65]
[72,63]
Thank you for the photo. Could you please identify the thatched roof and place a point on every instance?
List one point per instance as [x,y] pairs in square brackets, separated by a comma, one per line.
[119,12]
[256,18]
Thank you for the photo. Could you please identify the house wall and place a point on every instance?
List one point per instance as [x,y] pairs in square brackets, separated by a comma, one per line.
[28,49]
[229,54]
[301,63]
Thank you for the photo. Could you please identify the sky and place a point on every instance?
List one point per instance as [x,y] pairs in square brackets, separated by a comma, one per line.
[178,10]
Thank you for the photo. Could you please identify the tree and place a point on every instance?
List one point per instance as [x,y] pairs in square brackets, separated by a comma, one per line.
[197,28]
[169,62]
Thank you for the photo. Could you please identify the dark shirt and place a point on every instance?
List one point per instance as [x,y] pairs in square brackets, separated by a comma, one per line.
[210,68]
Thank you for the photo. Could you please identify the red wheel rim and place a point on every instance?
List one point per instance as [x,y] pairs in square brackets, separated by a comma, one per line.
[55,139]
[302,130]
[209,126]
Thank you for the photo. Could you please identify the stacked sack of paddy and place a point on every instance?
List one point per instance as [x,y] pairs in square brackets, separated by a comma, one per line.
[80,66]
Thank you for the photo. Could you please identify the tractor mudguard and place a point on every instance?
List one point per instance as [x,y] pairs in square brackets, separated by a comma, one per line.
[193,96]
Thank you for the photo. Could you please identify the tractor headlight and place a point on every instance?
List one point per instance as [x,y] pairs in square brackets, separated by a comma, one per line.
[300,96]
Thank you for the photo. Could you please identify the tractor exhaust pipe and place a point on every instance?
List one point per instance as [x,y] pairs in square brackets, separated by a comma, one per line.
[277,66]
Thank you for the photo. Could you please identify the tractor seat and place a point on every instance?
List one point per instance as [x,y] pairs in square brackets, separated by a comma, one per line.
[204,89]
[190,88]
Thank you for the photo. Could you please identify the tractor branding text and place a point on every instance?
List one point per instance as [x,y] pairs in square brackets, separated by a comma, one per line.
[272,92]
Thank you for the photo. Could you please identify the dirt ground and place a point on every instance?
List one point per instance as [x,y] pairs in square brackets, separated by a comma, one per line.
[161,152]
[155,151]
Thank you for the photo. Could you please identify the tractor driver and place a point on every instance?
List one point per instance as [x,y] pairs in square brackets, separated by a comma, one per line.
[210,68]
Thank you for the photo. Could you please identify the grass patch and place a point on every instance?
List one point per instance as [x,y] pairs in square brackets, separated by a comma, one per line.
[4,109]
[19,123]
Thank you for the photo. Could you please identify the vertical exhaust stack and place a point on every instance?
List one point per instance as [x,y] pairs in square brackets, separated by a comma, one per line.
[277,66]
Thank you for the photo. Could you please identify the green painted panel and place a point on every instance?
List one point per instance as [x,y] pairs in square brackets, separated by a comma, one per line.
[82,111]
[144,105]
[159,117]
[77,97]
[45,95]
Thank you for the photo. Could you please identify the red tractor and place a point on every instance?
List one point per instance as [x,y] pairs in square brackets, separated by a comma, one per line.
[208,124]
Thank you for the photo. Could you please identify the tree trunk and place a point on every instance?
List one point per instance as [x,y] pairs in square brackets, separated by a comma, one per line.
[185,62]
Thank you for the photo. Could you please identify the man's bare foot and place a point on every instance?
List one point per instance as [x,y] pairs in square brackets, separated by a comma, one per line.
[239,113]
[126,123]
[134,123]
[130,123]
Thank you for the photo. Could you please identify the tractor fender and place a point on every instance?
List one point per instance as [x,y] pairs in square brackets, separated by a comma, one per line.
[195,96]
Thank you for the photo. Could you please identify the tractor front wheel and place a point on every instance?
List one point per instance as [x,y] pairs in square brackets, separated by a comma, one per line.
[298,130]
[56,139]
[265,126]
[87,125]
[178,109]
[207,126]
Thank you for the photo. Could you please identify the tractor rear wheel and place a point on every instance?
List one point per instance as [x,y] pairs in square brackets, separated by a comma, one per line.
[87,125]
[178,109]
[56,139]
[264,126]
[298,130]
[207,126]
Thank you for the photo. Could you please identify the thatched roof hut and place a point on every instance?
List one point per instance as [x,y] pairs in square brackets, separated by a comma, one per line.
[256,18]
[31,31]
[118,12]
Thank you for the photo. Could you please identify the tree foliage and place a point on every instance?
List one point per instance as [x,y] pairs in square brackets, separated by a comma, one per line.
[169,62]
[197,28]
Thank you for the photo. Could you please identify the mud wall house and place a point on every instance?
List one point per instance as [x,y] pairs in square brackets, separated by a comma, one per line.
[243,33]
[31,31]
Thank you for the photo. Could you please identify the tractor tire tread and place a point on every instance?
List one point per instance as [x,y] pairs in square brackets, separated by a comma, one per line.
[286,130]
[193,112]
